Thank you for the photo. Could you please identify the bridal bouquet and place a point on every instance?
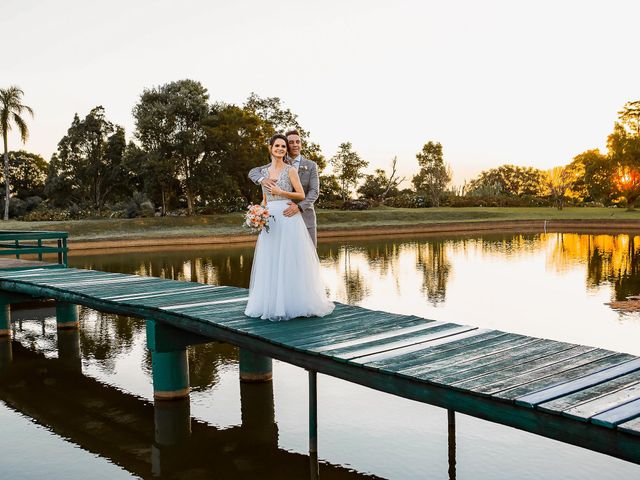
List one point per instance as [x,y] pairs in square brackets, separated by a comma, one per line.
[256,218]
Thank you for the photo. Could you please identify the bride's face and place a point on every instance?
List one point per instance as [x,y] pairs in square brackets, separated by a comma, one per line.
[279,148]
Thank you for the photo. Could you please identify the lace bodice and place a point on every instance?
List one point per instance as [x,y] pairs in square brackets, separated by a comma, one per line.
[283,182]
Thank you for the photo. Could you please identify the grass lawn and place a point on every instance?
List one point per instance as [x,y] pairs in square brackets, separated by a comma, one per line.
[230,224]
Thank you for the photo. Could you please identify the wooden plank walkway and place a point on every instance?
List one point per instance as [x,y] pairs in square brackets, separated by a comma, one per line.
[581,395]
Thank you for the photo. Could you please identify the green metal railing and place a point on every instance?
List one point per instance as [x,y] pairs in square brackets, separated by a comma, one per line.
[33,243]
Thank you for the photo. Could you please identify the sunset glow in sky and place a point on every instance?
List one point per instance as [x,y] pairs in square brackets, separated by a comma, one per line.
[527,83]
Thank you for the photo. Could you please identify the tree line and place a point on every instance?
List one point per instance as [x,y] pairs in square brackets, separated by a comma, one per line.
[189,154]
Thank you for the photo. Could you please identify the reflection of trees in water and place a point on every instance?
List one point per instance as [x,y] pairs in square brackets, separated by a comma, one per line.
[609,258]
[104,336]
[383,256]
[207,360]
[432,260]
[354,283]
[506,244]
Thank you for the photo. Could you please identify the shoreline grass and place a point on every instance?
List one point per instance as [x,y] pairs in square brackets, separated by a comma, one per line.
[328,220]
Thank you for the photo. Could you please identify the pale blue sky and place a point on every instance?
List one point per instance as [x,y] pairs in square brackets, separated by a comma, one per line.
[529,83]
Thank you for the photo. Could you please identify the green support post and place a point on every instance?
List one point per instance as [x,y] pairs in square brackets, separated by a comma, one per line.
[5,320]
[451,424]
[66,315]
[313,425]
[169,362]
[255,368]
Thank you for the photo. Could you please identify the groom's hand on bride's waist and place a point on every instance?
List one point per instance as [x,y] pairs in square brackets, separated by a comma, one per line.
[291,210]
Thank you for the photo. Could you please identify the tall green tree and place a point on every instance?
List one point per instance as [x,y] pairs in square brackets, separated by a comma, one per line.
[11,112]
[88,165]
[235,142]
[169,125]
[434,176]
[347,165]
[559,182]
[510,181]
[28,172]
[595,180]
[280,119]
[624,153]
[379,186]
[630,116]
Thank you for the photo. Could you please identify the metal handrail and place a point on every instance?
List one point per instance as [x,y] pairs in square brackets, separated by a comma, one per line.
[22,243]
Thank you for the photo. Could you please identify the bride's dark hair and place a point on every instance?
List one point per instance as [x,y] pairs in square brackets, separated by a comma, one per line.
[277,136]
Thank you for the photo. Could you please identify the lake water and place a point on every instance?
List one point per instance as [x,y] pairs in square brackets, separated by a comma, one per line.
[88,414]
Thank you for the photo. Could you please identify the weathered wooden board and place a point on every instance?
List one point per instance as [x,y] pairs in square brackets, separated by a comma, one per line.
[632,426]
[568,387]
[590,394]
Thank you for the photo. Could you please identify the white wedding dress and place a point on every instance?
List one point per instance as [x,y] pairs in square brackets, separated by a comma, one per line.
[285,277]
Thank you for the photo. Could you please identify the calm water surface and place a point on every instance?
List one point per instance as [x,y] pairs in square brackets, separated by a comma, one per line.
[78,414]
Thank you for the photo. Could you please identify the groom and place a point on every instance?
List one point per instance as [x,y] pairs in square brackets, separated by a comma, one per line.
[308,173]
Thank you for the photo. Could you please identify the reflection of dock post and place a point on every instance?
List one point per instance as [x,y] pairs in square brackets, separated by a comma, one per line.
[66,315]
[69,348]
[258,414]
[313,425]
[169,363]
[255,368]
[172,422]
[6,354]
[451,423]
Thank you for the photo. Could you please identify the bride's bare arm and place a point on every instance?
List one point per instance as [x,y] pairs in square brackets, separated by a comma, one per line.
[297,194]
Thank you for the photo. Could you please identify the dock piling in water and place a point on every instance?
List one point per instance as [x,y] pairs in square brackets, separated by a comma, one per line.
[5,320]
[313,425]
[254,367]
[66,315]
[170,365]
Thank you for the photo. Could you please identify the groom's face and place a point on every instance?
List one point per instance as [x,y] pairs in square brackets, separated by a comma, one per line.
[295,144]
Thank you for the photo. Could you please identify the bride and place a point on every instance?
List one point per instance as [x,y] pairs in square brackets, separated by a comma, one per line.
[285,277]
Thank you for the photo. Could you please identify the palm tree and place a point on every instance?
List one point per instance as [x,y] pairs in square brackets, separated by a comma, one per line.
[11,110]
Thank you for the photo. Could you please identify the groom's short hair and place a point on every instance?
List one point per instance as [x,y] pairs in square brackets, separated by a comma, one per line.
[292,132]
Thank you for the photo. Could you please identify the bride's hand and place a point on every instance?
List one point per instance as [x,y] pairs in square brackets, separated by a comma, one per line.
[275,190]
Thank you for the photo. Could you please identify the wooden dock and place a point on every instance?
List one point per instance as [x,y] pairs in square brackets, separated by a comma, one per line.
[581,395]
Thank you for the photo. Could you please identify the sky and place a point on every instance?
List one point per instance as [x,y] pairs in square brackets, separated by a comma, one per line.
[525,83]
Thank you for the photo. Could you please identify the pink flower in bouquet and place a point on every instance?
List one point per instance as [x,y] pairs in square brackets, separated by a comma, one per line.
[256,219]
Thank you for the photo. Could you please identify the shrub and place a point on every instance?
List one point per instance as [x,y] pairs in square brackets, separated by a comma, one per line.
[360,204]
[139,206]
[17,207]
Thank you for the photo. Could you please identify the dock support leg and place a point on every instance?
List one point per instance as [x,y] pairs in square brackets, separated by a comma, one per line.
[5,320]
[66,315]
[170,375]
[169,362]
[313,425]
[451,423]
[255,368]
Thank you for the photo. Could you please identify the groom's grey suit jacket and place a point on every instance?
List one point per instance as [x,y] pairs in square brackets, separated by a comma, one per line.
[308,173]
